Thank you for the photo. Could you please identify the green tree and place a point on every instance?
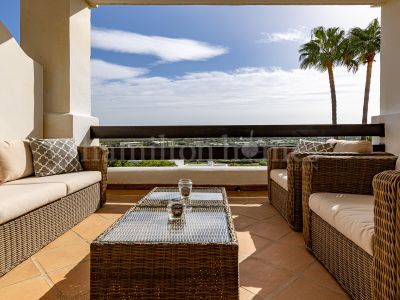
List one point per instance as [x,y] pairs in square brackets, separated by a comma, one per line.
[364,45]
[324,52]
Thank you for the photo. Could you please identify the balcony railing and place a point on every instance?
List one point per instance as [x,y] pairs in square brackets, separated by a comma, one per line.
[221,131]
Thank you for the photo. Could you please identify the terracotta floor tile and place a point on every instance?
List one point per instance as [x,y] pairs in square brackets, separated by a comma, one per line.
[246,200]
[294,259]
[24,271]
[68,238]
[278,220]
[236,209]
[113,211]
[247,194]
[261,279]
[73,283]
[61,257]
[242,221]
[317,273]
[246,295]
[261,212]
[92,227]
[269,230]
[303,289]
[250,245]
[32,289]
[293,239]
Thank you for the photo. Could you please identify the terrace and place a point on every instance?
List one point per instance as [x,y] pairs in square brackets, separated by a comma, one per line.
[55,103]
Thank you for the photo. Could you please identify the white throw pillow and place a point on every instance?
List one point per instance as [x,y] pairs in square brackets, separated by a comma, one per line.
[15,160]
[313,146]
[351,146]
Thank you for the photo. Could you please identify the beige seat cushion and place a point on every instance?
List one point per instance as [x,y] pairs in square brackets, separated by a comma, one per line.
[351,146]
[280,177]
[17,200]
[15,160]
[74,181]
[352,215]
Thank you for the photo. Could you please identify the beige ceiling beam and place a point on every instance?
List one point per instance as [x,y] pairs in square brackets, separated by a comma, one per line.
[236,2]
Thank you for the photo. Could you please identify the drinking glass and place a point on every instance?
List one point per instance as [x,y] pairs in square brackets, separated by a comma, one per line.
[185,188]
[175,209]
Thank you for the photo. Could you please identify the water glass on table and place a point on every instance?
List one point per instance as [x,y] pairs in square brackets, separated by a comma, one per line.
[185,188]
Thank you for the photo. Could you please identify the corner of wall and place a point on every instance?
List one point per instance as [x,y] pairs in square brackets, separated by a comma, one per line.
[21,91]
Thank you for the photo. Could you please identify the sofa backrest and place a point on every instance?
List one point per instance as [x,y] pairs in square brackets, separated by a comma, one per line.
[15,160]
[351,146]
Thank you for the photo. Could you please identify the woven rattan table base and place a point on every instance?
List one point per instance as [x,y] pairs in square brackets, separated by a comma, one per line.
[142,256]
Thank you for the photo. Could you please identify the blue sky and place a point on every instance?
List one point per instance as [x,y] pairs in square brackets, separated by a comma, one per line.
[159,65]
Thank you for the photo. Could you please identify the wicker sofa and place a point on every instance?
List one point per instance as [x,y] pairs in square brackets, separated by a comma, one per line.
[36,210]
[351,208]
[285,181]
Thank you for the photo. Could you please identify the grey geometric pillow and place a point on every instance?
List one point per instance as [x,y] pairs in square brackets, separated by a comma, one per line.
[311,146]
[54,156]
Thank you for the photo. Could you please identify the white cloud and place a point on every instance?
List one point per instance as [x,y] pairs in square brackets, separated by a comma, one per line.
[291,35]
[102,70]
[244,96]
[167,49]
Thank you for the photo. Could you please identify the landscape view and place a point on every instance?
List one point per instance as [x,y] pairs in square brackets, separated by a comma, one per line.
[257,68]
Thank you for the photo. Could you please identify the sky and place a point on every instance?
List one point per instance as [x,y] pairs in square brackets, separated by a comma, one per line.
[195,65]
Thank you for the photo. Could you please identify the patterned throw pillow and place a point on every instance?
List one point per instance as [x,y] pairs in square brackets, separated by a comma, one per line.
[311,146]
[55,156]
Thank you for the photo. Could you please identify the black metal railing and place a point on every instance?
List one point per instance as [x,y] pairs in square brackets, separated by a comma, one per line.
[220,131]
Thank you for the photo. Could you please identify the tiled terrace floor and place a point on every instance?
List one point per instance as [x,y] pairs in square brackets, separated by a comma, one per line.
[273,261]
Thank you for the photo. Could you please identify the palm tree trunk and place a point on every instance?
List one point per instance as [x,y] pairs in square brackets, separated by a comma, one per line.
[333,94]
[366,93]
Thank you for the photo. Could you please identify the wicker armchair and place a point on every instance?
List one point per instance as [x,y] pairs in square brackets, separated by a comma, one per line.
[289,202]
[362,275]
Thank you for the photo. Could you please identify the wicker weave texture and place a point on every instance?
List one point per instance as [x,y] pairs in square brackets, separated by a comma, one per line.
[150,225]
[182,261]
[164,271]
[386,265]
[200,196]
[347,262]
[343,174]
[24,236]
[279,198]
[95,158]
[277,159]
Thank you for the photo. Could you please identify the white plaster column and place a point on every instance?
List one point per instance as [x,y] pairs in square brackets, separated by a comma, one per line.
[57,35]
[390,76]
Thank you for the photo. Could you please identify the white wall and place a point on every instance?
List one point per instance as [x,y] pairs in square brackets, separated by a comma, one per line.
[21,91]
[390,76]
[57,35]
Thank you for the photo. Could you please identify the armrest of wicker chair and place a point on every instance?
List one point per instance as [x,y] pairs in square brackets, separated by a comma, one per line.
[277,159]
[339,174]
[386,263]
[295,185]
[95,158]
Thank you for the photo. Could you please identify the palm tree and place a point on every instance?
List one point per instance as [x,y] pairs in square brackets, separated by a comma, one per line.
[324,52]
[364,45]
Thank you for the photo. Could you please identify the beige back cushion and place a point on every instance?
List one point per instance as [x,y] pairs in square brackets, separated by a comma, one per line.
[398,164]
[15,160]
[351,146]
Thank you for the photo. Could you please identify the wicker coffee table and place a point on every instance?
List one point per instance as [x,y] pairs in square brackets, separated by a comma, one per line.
[144,256]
